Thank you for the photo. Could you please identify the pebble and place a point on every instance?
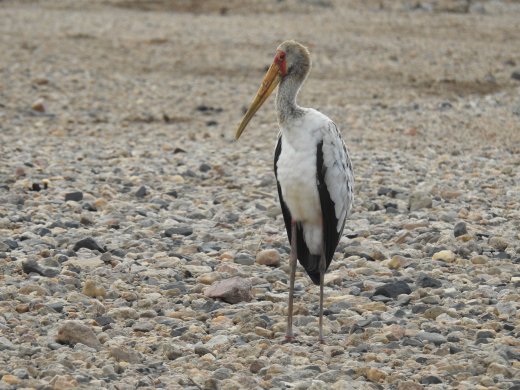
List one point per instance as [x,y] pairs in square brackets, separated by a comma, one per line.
[183,230]
[419,200]
[445,255]
[93,289]
[393,290]
[38,106]
[75,196]
[269,257]
[232,290]
[73,332]
[88,243]
[460,229]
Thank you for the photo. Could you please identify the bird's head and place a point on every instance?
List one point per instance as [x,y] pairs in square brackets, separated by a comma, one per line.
[291,60]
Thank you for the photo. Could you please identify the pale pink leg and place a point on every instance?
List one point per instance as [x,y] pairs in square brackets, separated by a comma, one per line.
[289,335]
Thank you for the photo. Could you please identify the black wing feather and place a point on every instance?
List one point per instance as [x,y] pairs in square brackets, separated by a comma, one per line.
[331,236]
[308,261]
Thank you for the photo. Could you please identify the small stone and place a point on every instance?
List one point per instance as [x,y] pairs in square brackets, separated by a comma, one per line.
[498,243]
[122,354]
[499,369]
[419,200]
[182,230]
[143,326]
[63,382]
[141,192]
[392,290]
[256,366]
[426,281]
[409,385]
[204,167]
[486,334]
[76,196]
[444,255]
[460,229]
[430,337]
[430,380]
[516,75]
[88,243]
[396,262]
[5,344]
[244,259]
[11,379]
[375,375]
[31,265]
[270,257]
[92,289]
[479,259]
[38,106]
[73,332]
[232,290]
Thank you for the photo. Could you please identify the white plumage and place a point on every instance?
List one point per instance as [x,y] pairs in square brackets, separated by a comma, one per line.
[297,172]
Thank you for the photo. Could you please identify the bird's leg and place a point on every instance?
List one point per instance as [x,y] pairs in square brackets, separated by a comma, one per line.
[322,266]
[289,335]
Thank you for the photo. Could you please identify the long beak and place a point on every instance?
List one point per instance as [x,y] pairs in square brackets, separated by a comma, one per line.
[269,83]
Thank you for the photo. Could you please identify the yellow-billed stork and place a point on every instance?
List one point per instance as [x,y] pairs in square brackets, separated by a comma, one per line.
[312,168]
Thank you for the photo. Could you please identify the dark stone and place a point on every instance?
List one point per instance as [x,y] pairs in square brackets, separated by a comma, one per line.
[485,334]
[454,349]
[427,281]
[509,327]
[211,123]
[72,224]
[387,191]
[172,193]
[32,265]
[36,187]
[516,75]
[43,232]
[104,320]
[183,230]
[503,256]
[392,290]
[178,150]
[412,342]
[12,244]
[88,243]
[460,229]
[430,380]
[204,167]
[179,331]
[201,351]
[57,307]
[141,192]
[75,196]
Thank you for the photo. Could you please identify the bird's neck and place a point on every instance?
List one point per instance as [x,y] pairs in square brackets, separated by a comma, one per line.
[286,106]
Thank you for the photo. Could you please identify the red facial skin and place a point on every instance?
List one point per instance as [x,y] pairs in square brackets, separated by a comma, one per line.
[279,59]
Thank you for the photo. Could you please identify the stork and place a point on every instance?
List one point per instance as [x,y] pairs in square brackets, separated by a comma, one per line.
[312,168]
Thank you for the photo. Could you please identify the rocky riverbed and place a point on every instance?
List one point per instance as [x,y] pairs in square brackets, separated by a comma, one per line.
[141,247]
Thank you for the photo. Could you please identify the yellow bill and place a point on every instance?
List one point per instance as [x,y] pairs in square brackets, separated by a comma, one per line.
[269,83]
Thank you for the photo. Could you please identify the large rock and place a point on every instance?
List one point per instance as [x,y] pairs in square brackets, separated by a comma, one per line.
[73,332]
[232,290]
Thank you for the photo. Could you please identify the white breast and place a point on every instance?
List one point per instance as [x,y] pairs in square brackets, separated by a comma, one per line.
[296,169]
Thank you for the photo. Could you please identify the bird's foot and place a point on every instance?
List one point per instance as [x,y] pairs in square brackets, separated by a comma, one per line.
[289,338]
[322,341]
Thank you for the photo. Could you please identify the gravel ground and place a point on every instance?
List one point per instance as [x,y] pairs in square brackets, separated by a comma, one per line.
[141,247]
